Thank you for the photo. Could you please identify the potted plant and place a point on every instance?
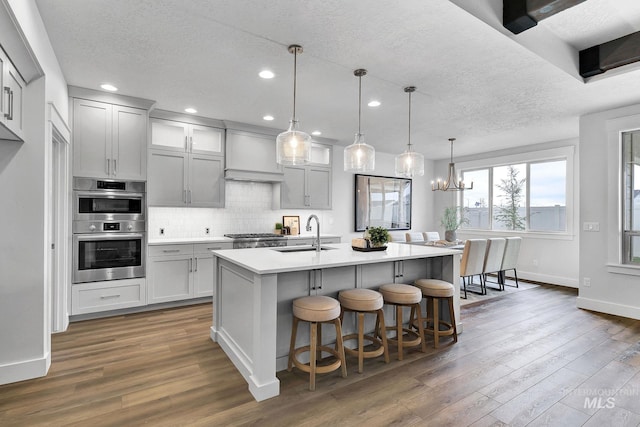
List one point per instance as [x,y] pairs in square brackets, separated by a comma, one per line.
[451,220]
[378,236]
[278,228]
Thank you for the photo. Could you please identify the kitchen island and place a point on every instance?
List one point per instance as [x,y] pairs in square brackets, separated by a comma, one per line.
[254,290]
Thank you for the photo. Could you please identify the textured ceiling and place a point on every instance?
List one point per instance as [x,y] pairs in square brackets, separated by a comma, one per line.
[476,83]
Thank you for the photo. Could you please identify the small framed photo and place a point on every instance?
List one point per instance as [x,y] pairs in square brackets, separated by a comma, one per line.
[293,222]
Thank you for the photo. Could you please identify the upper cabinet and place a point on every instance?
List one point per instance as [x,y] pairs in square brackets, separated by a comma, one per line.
[11,100]
[186,161]
[186,137]
[309,186]
[109,139]
[251,153]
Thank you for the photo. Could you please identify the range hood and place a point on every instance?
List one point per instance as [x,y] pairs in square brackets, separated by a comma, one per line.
[251,154]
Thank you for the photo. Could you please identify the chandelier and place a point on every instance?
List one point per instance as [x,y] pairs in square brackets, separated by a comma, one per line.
[452,183]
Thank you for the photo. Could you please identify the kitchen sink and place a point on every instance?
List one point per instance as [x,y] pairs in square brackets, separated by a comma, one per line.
[301,249]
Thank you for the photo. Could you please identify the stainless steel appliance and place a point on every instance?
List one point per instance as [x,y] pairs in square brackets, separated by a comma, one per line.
[257,240]
[109,240]
[108,200]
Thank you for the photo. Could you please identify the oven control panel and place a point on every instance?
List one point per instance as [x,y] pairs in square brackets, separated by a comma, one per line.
[89,227]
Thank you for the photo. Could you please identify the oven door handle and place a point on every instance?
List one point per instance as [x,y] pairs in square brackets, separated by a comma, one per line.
[108,236]
[109,194]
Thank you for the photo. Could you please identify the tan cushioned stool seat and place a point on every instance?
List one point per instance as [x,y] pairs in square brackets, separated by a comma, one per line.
[400,294]
[361,299]
[435,288]
[316,308]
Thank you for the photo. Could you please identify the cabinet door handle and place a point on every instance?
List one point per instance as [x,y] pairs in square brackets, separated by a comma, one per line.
[110,296]
[7,113]
[10,105]
[115,169]
[214,248]
[196,269]
[170,251]
[184,196]
[186,143]
[190,265]
[190,143]
[189,196]
[108,162]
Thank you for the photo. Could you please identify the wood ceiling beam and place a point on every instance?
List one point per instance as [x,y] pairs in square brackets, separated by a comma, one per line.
[520,15]
[613,54]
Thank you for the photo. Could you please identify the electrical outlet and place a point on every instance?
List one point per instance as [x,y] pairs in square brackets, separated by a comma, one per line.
[162,231]
[535,262]
[206,230]
[591,226]
[586,282]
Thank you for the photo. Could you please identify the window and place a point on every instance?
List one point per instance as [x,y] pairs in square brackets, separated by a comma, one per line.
[631,197]
[525,196]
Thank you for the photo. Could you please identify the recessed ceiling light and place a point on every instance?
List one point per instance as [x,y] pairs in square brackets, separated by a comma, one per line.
[266,74]
[374,104]
[109,87]
[316,133]
[190,110]
[267,118]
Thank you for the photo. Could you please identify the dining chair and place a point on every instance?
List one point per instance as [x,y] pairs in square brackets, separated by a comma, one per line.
[493,259]
[431,236]
[510,259]
[414,237]
[397,237]
[472,262]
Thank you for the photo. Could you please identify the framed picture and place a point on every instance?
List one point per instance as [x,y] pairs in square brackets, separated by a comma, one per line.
[293,222]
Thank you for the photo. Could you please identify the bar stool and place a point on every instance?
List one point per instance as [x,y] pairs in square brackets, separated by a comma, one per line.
[316,310]
[361,301]
[433,290]
[400,295]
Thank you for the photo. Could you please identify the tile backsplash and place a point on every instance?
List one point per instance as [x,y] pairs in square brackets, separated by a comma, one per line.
[248,209]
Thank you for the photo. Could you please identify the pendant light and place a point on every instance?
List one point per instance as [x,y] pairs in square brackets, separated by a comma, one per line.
[409,163]
[293,147]
[452,182]
[359,156]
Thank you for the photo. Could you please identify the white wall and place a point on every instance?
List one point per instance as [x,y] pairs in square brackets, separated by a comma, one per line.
[614,289]
[543,257]
[24,294]
[249,207]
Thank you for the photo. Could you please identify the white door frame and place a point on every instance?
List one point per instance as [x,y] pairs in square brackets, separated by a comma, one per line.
[59,219]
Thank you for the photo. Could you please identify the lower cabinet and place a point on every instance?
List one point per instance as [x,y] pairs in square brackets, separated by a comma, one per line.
[180,272]
[95,297]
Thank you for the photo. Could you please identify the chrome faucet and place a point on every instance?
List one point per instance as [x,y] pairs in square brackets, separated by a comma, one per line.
[317,242]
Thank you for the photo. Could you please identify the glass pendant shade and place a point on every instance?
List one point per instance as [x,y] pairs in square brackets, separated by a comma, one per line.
[293,147]
[359,156]
[409,163]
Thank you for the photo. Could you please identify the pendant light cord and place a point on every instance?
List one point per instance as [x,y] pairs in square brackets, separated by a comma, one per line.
[452,139]
[295,73]
[359,101]
[409,148]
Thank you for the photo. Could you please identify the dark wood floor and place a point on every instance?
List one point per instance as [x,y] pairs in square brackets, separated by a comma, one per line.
[528,358]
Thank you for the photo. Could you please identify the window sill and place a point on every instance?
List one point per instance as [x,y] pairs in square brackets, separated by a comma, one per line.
[630,270]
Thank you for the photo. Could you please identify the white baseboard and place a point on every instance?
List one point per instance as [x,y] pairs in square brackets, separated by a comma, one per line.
[608,307]
[25,370]
[547,278]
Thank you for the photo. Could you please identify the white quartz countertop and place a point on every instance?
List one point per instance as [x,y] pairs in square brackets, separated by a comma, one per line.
[186,240]
[222,239]
[270,260]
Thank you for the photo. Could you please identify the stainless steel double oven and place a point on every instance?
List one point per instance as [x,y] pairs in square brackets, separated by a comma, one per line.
[108,229]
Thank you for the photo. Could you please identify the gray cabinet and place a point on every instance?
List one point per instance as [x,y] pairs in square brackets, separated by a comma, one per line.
[11,100]
[309,186]
[302,241]
[186,165]
[109,141]
[251,156]
[181,272]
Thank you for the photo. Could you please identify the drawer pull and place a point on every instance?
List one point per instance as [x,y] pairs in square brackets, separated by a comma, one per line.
[109,296]
[214,248]
[169,251]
